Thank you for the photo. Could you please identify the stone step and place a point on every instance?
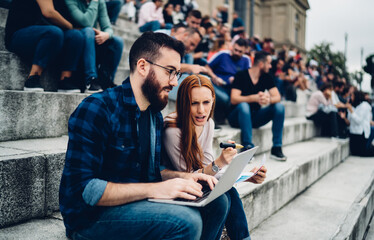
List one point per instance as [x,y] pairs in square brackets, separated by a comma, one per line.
[337,206]
[295,130]
[30,172]
[126,32]
[123,23]
[26,115]
[307,162]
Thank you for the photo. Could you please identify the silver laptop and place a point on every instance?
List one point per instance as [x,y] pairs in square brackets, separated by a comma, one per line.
[225,183]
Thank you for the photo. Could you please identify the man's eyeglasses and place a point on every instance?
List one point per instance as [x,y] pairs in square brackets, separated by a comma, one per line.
[172,72]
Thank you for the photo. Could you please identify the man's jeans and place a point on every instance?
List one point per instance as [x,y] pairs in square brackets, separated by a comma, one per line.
[222,102]
[236,222]
[113,7]
[149,220]
[153,26]
[107,55]
[245,119]
[45,43]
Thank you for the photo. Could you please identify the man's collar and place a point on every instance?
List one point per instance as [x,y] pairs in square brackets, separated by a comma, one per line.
[128,96]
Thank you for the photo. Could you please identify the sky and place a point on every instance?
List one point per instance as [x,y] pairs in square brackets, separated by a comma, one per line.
[329,20]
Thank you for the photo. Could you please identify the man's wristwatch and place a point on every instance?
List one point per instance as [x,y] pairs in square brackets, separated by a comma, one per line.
[215,168]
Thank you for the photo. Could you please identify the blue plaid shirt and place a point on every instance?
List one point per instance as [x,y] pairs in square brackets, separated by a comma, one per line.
[103,146]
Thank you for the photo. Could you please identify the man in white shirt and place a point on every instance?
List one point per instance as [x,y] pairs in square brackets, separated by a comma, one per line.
[150,17]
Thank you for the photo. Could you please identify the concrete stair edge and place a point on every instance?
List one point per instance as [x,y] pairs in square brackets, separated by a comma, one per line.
[45,114]
[354,225]
[337,206]
[261,202]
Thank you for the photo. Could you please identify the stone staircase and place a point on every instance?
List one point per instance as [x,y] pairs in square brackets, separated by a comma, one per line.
[33,141]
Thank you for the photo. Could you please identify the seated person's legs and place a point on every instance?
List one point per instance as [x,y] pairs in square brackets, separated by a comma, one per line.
[89,56]
[240,117]
[109,56]
[214,215]
[275,113]
[113,8]
[371,137]
[150,26]
[222,103]
[144,220]
[236,222]
[40,45]
[70,55]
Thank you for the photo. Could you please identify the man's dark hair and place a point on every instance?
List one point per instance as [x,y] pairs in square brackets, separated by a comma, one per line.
[241,42]
[260,56]
[207,25]
[195,13]
[325,86]
[192,31]
[148,46]
[338,84]
[179,25]
[359,97]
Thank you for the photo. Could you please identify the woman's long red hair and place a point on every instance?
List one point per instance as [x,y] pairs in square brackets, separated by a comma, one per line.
[190,148]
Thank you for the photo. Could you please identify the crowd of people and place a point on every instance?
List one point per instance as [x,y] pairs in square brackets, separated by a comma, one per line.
[121,151]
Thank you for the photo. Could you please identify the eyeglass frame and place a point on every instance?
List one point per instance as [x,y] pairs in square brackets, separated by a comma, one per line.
[170,71]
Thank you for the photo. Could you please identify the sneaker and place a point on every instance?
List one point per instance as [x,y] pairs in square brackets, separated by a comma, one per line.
[247,147]
[105,80]
[277,154]
[93,85]
[67,85]
[33,84]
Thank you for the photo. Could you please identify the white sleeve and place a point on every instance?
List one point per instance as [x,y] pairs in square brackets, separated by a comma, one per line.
[171,139]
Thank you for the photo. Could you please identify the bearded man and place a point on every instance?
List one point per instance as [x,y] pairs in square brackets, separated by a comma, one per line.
[225,64]
[113,159]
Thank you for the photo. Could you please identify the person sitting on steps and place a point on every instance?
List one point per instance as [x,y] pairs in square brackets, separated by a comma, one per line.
[39,33]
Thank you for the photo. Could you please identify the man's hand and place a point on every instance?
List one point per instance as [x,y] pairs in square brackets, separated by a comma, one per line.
[202,177]
[196,69]
[349,107]
[101,37]
[218,81]
[176,188]
[231,79]
[259,177]
[263,98]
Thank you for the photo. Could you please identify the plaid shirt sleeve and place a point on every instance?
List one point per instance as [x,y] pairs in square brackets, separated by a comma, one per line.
[88,131]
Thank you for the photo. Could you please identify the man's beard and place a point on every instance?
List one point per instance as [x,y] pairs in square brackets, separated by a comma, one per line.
[235,58]
[152,91]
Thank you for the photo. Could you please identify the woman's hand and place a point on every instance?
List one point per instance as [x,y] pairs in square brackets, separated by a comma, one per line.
[259,177]
[226,157]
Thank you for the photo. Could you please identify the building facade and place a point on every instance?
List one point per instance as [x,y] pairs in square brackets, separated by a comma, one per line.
[282,20]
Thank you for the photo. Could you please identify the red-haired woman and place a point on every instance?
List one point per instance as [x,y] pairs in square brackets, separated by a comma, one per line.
[188,141]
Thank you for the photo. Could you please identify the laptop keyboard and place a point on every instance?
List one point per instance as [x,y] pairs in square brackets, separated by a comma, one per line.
[206,191]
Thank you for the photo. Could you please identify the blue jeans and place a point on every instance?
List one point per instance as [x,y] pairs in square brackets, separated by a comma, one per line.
[150,26]
[148,220]
[43,44]
[236,222]
[222,101]
[242,116]
[371,137]
[113,7]
[107,55]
